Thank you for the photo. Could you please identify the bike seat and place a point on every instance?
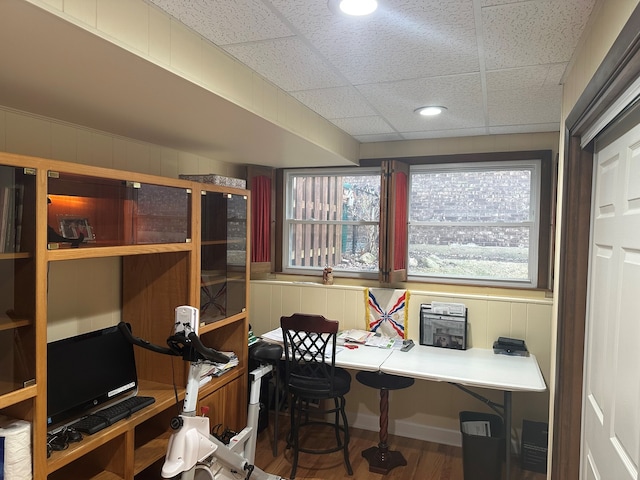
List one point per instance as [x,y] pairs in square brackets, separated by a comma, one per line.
[267,352]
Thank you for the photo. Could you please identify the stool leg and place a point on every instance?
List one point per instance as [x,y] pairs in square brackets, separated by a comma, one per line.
[380,458]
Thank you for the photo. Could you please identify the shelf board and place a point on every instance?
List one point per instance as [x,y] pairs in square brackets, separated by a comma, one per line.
[217,383]
[150,452]
[15,394]
[14,255]
[213,242]
[7,323]
[207,280]
[117,251]
[165,399]
[221,322]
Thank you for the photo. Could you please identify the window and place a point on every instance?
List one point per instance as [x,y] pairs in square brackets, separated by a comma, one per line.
[475,222]
[482,219]
[332,218]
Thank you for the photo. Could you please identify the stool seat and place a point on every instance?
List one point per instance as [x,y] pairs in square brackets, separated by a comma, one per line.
[384,381]
[380,458]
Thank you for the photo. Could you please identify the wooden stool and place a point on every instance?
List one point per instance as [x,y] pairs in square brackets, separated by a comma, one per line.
[380,458]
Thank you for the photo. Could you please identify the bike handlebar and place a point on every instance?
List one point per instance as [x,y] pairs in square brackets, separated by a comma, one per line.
[177,345]
[206,352]
[124,329]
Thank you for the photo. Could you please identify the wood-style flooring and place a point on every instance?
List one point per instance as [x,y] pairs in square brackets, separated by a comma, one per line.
[425,460]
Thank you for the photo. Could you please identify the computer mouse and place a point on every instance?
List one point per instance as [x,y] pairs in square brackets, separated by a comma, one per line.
[73,435]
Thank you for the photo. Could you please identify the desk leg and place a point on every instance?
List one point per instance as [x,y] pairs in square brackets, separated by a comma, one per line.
[507,431]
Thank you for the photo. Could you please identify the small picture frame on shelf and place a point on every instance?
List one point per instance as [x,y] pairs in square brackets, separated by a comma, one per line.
[72,226]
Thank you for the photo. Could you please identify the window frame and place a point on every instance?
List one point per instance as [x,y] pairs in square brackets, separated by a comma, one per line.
[545,240]
[284,221]
[533,223]
[547,186]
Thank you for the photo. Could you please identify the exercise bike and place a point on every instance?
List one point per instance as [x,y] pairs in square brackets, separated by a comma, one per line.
[193,452]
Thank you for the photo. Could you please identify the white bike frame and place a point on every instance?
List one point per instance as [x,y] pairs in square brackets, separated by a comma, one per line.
[193,451]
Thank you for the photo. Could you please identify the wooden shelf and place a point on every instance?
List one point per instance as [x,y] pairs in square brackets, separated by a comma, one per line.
[150,452]
[10,324]
[119,251]
[129,213]
[165,400]
[15,256]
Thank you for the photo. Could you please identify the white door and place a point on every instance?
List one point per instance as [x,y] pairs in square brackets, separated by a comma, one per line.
[611,398]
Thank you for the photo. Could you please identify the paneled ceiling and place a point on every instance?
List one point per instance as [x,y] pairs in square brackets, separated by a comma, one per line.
[496,65]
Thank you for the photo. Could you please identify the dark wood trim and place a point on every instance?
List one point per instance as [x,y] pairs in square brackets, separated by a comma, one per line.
[620,67]
[547,232]
[572,293]
[279,221]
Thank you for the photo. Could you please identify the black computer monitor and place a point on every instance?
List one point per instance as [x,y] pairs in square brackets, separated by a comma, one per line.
[86,371]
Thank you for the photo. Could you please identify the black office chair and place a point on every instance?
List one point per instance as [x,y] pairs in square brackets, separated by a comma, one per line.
[311,375]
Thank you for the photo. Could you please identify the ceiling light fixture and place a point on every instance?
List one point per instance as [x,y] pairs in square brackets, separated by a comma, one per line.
[353,7]
[430,111]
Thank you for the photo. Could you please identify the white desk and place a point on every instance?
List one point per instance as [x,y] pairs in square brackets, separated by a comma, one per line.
[475,367]
[369,359]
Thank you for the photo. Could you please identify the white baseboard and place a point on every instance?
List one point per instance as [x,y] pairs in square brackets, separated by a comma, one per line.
[408,429]
[421,432]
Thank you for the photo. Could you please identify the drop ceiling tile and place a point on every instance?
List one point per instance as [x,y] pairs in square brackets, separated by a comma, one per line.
[449,119]
[457,93]
[521,107]
[363,125]
[532,33]
[288,63]
[226,22]
[517,78]
[401,40]
[339,102]
[556,72]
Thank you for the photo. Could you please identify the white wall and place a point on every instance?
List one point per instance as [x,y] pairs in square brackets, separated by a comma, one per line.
[152,34]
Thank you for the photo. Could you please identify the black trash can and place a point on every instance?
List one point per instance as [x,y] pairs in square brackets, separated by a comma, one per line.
[483,447]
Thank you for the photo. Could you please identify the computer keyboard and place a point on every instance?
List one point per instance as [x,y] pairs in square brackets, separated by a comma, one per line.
[108,416]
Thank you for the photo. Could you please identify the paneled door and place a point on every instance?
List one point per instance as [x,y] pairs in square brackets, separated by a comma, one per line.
[611,396]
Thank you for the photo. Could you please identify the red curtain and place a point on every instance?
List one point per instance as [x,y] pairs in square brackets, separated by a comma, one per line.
[261,219]
[400,227]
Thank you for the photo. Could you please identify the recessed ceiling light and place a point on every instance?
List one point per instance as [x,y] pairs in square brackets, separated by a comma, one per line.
[430,111]
[353,7]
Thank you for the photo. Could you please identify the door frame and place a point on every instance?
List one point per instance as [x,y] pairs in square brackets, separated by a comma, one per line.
[619,69]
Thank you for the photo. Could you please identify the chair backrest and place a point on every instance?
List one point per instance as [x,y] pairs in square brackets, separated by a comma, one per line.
[310,352]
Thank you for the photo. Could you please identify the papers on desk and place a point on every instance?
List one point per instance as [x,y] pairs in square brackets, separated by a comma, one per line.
[369,339]
[354,336]
[273,336]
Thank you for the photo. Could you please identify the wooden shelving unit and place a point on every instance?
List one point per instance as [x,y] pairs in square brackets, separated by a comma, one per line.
[153,232]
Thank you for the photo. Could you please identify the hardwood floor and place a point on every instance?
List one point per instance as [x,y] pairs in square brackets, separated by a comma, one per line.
[425,460]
